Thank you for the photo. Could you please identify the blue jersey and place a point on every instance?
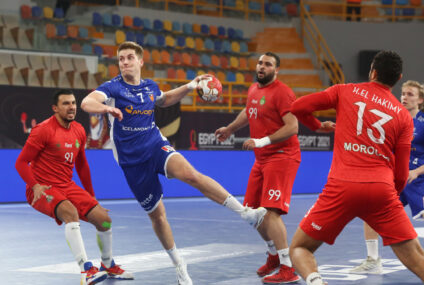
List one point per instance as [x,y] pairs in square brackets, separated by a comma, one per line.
[137,134]
[417,145]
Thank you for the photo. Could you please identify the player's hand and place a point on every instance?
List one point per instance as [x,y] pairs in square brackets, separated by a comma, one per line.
[115,112]
[222,134]
[326,127]
[413,174]
[193,84]
[249,144]
[38,192]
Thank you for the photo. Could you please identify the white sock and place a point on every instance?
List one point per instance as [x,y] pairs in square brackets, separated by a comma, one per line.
[174,255]
[314,279]
[104,241]
[283,254]
[233,204]
[372,248]
[271,247]
[74,239]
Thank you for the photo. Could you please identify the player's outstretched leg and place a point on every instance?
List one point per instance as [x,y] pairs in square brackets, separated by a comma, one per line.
[181,169]
[99,217]
[411,254]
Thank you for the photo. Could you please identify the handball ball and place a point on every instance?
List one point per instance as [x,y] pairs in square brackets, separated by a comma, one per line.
[209,89]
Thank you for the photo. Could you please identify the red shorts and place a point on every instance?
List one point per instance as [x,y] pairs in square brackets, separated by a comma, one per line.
[376,203]
[270,184]
[47,205]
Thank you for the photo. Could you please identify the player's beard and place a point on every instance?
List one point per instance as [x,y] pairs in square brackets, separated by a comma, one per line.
[266,79]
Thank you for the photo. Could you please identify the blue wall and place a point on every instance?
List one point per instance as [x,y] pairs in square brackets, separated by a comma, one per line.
[230,168]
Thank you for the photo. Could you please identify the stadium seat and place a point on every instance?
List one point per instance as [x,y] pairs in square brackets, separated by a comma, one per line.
[127,22]
[221,31]
[205,60]
[137,22]
[169,41]
[58,13]
[165,57]
[200,72]
[156,58]
[72,32]
[83,33]
[167,26]
[234,62]
[61,31]
[221,76]
[98,50]
[150,40]
[176,27]
[116,20]
[213,31]
[11,74]
[147,24]
[181,41]
[38,65]
[251,63]
[130,36]
[158,25]
[190,74]
[208,44]
[50,31]
[87,48]
[186,59]
[190,42]
[243,63]
[243,47]
[171,73]
[239,77]
[215,60]
[195,60]
[67,66]
[146,56]
[231,33]
[217,45]
[226,46]
[107,20]
[23,66]
[224,62]
[199,44]
[181,74]
[25,11]
[97,19]
[239,34]
[187,28]
[235,47]
[139,38]
[160,40]
[36,12]
[119,37]
[292,10]
[196,28]
[204,29]
[48,12]
[176,58]
[248,77]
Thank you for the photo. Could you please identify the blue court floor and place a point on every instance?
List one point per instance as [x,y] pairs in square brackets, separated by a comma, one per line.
[219,247]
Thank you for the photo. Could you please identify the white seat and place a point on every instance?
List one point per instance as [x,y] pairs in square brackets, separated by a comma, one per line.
[12,73]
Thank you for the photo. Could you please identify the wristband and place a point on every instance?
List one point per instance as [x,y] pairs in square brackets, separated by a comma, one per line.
[262,142]
[192,84]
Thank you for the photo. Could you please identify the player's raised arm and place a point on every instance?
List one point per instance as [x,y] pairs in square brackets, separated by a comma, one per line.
[173,96]
[93,103]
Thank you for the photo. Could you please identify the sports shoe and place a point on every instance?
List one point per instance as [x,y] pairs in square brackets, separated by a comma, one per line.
[182,275]
[91,274]
[272,264]
[116,272]
[284,275]
[254,217]
[368,266]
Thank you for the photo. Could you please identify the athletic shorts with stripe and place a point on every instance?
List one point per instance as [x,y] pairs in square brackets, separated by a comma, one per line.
[47,204]
[270,184]
[143,178]
[375,203]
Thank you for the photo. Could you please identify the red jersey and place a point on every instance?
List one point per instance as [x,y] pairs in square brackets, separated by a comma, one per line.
[59,148]
[265,108]
[371,123]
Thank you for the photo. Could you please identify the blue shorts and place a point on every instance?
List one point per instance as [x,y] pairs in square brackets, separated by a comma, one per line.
[413,195]
[143,178]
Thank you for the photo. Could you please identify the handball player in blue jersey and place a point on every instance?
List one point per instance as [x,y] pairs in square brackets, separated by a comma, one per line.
[143,153]
[412,98]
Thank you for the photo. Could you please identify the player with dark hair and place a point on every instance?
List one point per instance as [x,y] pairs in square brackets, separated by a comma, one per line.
[369,169]
[412,98]
[273,132]
[46,162]
[142,152]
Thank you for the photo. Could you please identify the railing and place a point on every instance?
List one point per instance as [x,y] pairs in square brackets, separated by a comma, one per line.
[370,10]
[226,103]
[325,57]
[213,9]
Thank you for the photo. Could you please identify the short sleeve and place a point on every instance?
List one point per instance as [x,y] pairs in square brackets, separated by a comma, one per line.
[105,89]
[284,99]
